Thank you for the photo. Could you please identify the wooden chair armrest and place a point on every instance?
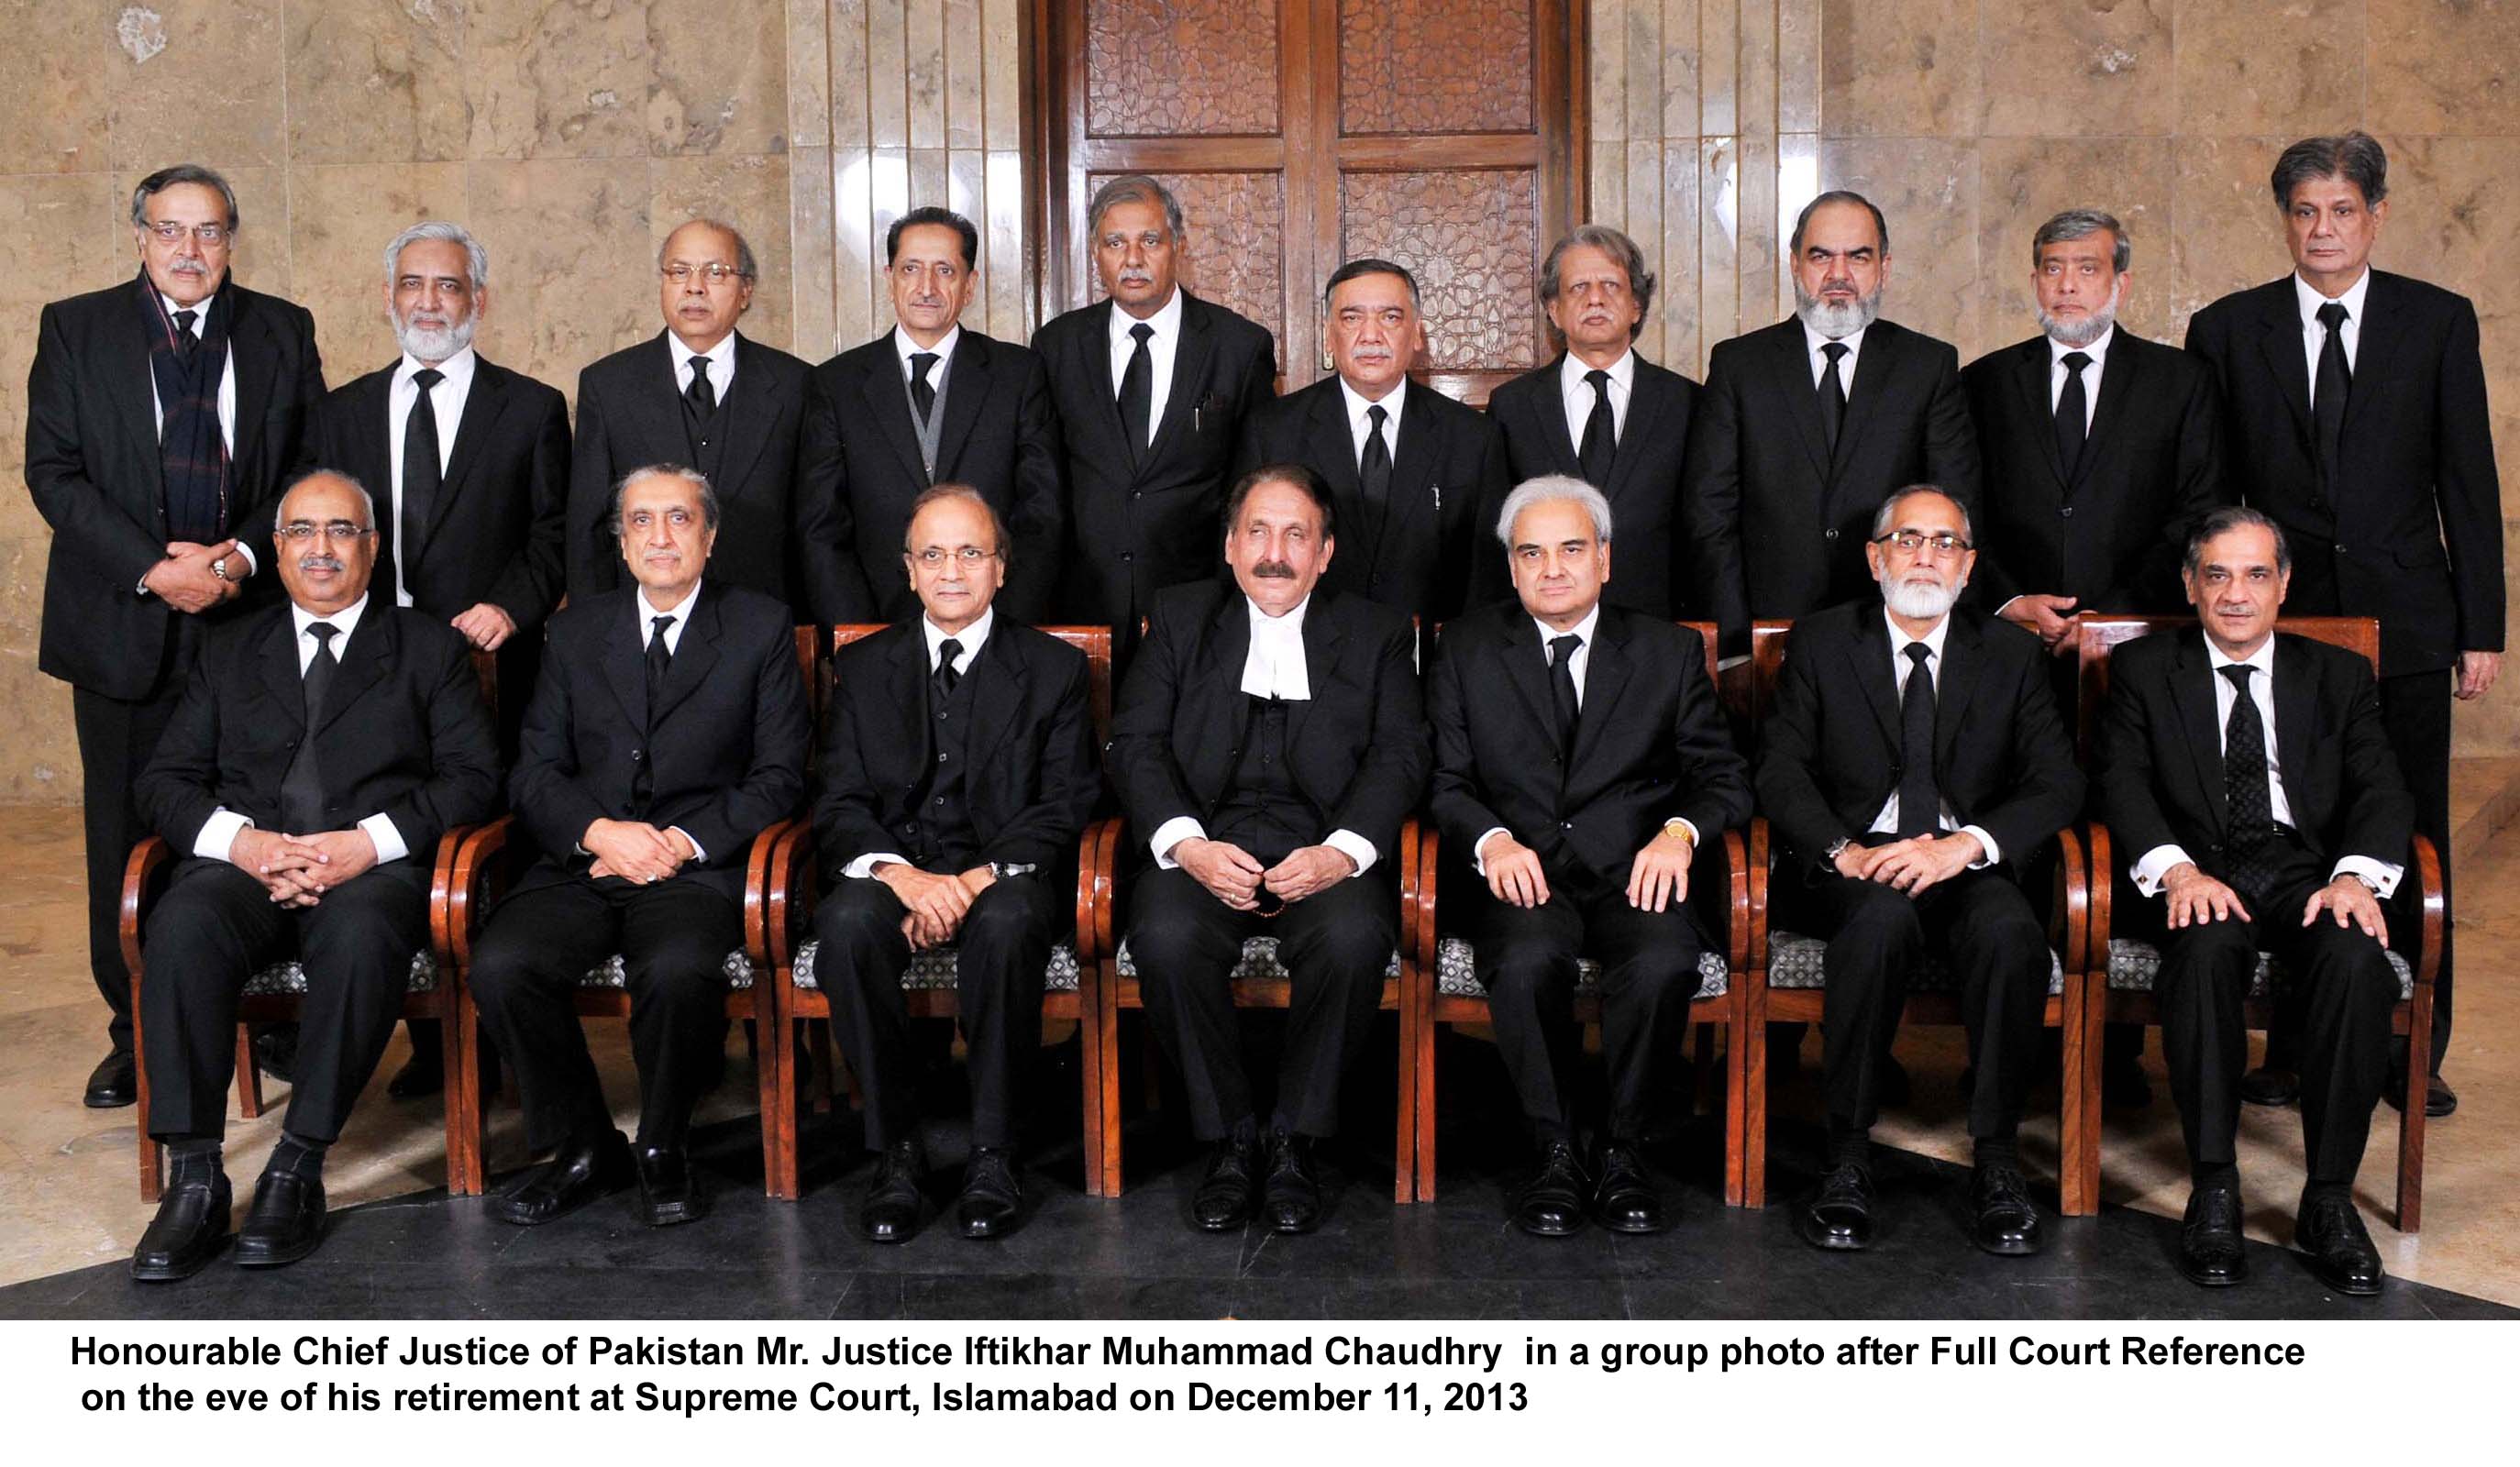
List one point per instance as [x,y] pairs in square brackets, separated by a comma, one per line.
[467,888]
[2070,922]
[1410,879]
[2103,870]
[139,875]
[1088,851]
[2435,913]
[1112,832]
[767,893]
[441,893]
[1761,859]
[1736,861]
[1418,894]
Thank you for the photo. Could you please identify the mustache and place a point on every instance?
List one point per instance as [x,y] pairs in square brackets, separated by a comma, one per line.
[319,561]
[1273,570]
[188,266]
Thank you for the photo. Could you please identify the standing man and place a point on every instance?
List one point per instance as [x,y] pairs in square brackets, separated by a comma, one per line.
[1410,469]
[2355,420]
[927,402]
[703,393]
[1601,414]
[1807,425]
[161,414]
[1152,386]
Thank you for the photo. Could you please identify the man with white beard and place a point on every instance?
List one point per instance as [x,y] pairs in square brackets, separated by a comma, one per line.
[1913,767]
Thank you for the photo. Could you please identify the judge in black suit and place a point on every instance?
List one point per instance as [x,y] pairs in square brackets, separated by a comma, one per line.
[2356,418]
[1581,759]
[1268,742]
[2249,776]
[926,403]
[1912,766]
[668,730]
[703,393]
[1410,470]
[321,748]
[1807,425]
[958,772]
[1603,415]
[161,414]
[1153,386]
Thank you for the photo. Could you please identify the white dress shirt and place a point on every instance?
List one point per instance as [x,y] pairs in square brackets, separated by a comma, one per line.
[1274,668]
[446,405]
[906,348]
[1818,360]
[1578,395]
[217,839]
[2156,862]
[680,617]
[1358,425]
[971,638]
[2314,331]
[1161,347]
[227,399]
[1888,822]
[721,360]
[2099,352]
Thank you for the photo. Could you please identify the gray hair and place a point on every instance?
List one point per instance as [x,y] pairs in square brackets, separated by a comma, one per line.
[1618,246]
[744,261]
[689,475]
[2356,157]
[1134,188]
[1888,513]
[478,257]
[2080,224]
[938,493]
[367,501]
[1880,225]
[2221,521]
[183,173]
[1549,489]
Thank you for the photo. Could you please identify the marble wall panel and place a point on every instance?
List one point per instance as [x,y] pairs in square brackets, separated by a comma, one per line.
[809,73]
[1927,190]
[813,254]
[58,74]
[2444,67]
[59,234]
[375,81]
[583,279]
[1904,69]
[2246,66]
[2229,234]
[717,78]
[564,79]
[191,79]
[2083,68]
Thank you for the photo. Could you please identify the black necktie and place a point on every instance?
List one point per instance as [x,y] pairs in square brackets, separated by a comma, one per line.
[1373,468]
[2072,407]
[1137,391]
[1920,799]
[1600,432]
[1561,688]
[301,789]
[947,652]
[702,394]
[187,337]
[2245,788]
[2328,396]
[1833,392]
[922,392]
[419,473]
[660,660]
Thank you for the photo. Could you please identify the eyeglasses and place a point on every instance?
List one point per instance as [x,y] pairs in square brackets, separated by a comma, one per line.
[967,556]
[304,530]
[211,235]
[714,272]
[640,520]
[1914,543]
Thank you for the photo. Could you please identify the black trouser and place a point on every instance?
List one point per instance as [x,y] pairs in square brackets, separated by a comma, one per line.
[1000,954]
[1527,962]
[1337,946]
[2416,710]
[1983,928]
[216,927]
[673,937]
[116,739]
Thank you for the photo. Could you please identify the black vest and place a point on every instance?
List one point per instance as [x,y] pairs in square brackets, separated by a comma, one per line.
[707,437]
[1264,810]
[942,837]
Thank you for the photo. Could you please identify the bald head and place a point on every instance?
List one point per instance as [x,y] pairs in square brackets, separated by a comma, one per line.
[325,539]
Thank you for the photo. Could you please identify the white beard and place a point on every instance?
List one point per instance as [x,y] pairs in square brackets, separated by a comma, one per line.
[431,343]
[2080,333]
[1836,322]
[1920,600]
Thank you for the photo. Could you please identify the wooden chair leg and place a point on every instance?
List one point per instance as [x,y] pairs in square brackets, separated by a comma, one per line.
[2410,1114]
[1752,1035]
[770,1060]
[2072,1119]
[1091,1061]
[1737,1094]
[1425,1100]
[248,1081]
[1106,1023]
[462,1096]
[1404,1142]
[151,1171]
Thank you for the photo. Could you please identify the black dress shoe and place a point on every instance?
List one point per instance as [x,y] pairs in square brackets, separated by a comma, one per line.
[2210,1253]
[2008,1221]
[2439,1098]
[1293,1199]
[114,1081]
[188,1231]
[893,1202]
[992,1200]
[285,1223]
[1626,1200]
[2124,1086]
[2268,1086]
[1551,1205]
[667,1193]
[2332,1233]
[576,1177]
[1839,1216]
[275,1051]
[1225,1195]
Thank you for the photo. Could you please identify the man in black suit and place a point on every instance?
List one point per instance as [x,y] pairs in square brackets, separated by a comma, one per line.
[319,750]
[161,414]
[2249,776]
[1807,425]
[1410,470]
[958,772]
[668,730]
[1152,386]
[2354,405]
[1580,760]
[703,393]
[1268,742]
[926,403]
[1912,765]
[1603,415]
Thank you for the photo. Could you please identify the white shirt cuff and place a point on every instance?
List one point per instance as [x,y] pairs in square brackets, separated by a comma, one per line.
[253,567]
[2381,873]
[1994,852]
[1173,832]
[699,855]
[1354,847]
[218,834]
[386,839]
[2156,864]
[2006,606]
[863,869]
[1478,849]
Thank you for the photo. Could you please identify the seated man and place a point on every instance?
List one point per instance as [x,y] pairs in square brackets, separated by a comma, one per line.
[1912,763]
[667,730]
[2278,825]
[958,772]
[1268,742]
[1580,759]
[319,750]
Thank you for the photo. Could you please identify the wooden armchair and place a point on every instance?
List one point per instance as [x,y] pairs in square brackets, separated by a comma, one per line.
[2122,968]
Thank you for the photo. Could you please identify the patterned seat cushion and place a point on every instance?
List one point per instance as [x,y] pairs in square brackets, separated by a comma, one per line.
[738,970]
[290,977]
[1259,960]
[2134,964]
[1456,972]
[934,968]
[1794,961]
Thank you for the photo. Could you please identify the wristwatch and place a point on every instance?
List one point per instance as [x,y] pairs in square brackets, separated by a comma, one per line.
[2372,886]
[1002,869]
[219,567]
[1829,856]
[1678,829]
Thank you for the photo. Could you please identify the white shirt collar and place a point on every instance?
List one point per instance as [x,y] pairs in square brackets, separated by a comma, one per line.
[2097,351]
[1899,640]
[1357,404]
[682,612]
[1813,341]
[347,619]
[1274,666]
[200,309]
[721,360]
[1585,629]
[972,637]
[2263,659]
[1572,370]
[1166,321]
[906,348]
[457,371]
[2309,300]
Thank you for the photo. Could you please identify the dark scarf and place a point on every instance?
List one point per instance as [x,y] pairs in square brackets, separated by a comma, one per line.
[192,452]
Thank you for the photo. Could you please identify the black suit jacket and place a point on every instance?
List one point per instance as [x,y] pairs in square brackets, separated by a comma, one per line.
[859,470]
[725,747]
[1650,744]
[403,732]
[1649,567]
[1829,750]
[1448,467]
[1357,746]
[630,415]
[1031,781]
[92,465]
[2160,752]
[2415,536]
[1140,522]
[2113,534]
[1776,522]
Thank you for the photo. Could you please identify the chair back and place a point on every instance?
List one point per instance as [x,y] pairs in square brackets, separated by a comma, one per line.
[1768,641]
[2100,634]
[1094,641]
[485,672]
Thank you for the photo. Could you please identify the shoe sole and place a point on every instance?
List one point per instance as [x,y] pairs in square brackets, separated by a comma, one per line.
[1830,1243]
[142,1274]
[1632,1230]
[2358,1291]
[2211,1281]
[257,1259]
[93,1102]
[2009,1250]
